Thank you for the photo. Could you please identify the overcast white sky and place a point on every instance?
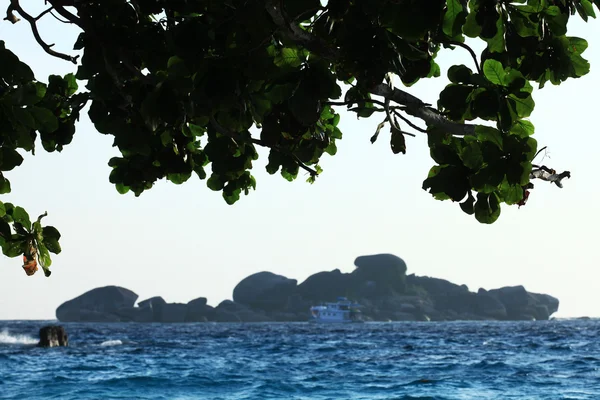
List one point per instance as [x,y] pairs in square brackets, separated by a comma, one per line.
[183,242]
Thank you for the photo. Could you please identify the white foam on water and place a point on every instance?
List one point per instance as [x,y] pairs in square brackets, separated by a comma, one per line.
[7,338]
[111,343]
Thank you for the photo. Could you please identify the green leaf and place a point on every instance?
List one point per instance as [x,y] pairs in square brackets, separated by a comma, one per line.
[44,257]
[4,185]
[487,208]
[215,182]
[397,141]
[50,232]
[179,178]
[523,107]
[489,134]
[29,93]
[331,149]
[497,43]
[467,205]
[471,156]
[231,196]
[494,71]
[9,158]
[14,247]
[45,120]
[459,74]
[518,173]
[453,9]
[24,117]
[4,231]
[589,9]
[121,188]
[522,128]
[577,45]
[176,67]
[446,182]
[471,28]
[2,209]
[289,169]
[20,215]
[71,84]
[197,130]
[288,57]
[488,178]
[511,194]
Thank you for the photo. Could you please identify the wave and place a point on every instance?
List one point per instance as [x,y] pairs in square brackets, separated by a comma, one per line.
[111,343]
[7,338]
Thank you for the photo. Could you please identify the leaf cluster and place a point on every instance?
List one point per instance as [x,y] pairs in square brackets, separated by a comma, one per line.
[194,87]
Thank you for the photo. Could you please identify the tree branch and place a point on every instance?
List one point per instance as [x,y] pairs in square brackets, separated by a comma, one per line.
[350,102]
[297,34]
[72,18]
[15,6]
[409,122]
[10,15]
[419,109]
[549,175]
[43,13]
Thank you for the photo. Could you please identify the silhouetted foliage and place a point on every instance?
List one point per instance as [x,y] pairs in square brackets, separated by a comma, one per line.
[183,85]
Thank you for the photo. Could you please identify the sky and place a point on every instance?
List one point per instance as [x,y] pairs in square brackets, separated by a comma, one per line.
[183,242]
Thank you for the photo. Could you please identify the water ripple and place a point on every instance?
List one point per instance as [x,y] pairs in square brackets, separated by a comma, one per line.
[401,361]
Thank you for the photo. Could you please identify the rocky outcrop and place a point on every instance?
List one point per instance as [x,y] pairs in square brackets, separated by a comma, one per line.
[117,304]
[199,311]
[523,305]
[100,304]
[379,283]
[325,286]
[264,290]
[53,336]
[385,273]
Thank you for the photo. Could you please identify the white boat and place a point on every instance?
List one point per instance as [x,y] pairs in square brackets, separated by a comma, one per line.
[342,311]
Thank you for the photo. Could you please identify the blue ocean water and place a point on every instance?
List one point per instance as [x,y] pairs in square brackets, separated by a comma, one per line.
[411,361]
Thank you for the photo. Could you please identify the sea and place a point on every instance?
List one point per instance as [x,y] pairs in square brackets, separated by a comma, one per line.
[557,359]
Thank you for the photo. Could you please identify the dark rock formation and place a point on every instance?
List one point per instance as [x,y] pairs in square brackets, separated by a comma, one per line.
[100,304]
[152,307]
[199,311]
[379,283]
[264,290]
[230,311]
[522,305]
[325,286]
[53,336]
[386,272]
[173,312]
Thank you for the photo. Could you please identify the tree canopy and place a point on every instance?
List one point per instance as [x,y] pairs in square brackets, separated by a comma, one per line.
[194,87]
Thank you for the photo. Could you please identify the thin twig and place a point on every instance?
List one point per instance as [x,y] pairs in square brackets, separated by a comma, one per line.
[58,19]
[72,18]
[539,151]
[412,125]
[14,5]
[43,13]
[305,167]
[349,102]
[470,50]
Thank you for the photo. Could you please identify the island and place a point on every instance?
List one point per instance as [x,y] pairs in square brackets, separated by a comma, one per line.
[379,283]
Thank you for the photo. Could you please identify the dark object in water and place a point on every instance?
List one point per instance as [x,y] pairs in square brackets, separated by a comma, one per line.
[53,336]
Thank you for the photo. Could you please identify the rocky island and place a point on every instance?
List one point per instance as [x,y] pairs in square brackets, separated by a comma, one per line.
[379,283]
